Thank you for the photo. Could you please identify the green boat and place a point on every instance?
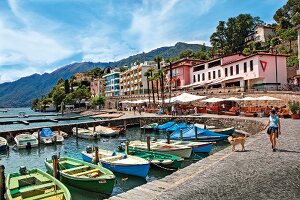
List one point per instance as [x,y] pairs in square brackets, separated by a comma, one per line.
[83,175]
[157,158]
[33,185]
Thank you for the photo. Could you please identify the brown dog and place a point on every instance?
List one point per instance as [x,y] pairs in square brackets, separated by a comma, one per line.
[236,141]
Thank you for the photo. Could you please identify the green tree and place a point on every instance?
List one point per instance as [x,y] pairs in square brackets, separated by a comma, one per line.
[35,103]
[151,78]
[229,36]
[186,53]
[98,100]
[58,96]
[247,51]
[288,15]
[69,99]
[82,93]
[292,61]
[67,86]
[123,68]
[289,35]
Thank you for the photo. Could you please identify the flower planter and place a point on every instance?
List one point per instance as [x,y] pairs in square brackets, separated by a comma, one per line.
[295,116]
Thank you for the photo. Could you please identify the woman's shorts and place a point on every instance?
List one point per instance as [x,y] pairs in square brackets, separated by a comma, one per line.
[272,130]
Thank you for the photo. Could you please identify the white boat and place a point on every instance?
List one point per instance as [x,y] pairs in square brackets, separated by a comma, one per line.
[117,162]
[104,131]
[62,133]
[203,126]
[58,138]
[177,150]
[46,136]
[26,141]
[3,144]
[197,147]
[86,133]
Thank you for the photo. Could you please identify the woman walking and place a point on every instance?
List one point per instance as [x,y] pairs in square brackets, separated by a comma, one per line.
[274,128]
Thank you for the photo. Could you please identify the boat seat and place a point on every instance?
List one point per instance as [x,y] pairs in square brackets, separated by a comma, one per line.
[113,158]
[37,187]
[45,195]
[86,172]
[75,168]
[70,162]
[14,182]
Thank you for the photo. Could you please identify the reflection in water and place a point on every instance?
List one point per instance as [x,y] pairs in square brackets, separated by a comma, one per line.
[35,157]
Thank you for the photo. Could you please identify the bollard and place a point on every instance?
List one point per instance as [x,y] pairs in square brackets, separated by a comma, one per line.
[108,125]
[55,138]
[94,127]
[168,137]
[96,155]
[196,133]
[180,131]
[58,131]
[39,136]
[125,124]
[148,143]
[204,126]
[2,182]
[55,166]
[127,148]
[76,131]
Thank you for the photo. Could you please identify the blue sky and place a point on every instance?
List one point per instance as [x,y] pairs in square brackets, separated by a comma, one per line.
[38,36]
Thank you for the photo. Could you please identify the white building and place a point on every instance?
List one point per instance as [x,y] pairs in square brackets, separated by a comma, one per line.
[255,71]
[133,81]
[260,33]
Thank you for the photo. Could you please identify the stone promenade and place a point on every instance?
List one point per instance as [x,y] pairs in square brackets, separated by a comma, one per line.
[257,173]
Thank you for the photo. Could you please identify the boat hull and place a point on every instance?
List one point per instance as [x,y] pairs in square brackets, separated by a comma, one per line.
[104,186]
[3,147]
[140,170]
[203,148]
[225,131]
[184,153]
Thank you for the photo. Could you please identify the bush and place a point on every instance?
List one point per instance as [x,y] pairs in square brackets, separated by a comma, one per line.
[294,106]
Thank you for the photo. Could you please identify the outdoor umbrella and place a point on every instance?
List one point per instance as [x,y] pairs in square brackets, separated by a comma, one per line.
[267,98]
[233,99]
[213,100]
[184,97]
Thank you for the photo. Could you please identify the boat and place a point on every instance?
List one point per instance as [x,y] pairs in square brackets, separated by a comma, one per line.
[157,158]
[117,162]
[177,150]
[104,131]
[178,127]
[204,126]
[22,115]
[203,135]
[149,126]
[34,184]
[83,175]
[3,144]
[46,136]
[86,133]
[26,141]
[58,138]
[164,126]
[225,131]
[62,133]
[197,147]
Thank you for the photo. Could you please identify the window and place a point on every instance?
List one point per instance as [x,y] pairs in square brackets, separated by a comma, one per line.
[251,65]
[214,64]
[219,73]
[245,67]
[209,75]
[203,77]
[237,69]
[231,70]
[214,74]
[226,72]
[194,78]
[198,77]
[198,68]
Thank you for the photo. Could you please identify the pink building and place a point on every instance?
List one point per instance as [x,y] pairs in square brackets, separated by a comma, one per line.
[255,71]
[181,72]
[97,87]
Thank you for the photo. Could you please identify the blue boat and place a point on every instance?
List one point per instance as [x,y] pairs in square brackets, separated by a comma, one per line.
[118,162]
[203,135]
[179,126]
[225,131]
[164,126]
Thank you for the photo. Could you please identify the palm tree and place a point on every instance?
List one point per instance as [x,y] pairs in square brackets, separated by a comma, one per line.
[147,74]
[158,60]
[170,82]
[151,70]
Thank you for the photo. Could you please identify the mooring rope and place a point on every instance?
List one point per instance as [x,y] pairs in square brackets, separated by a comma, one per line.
[169,169]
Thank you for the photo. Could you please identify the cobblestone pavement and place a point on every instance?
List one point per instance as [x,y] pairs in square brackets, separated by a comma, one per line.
[257,173]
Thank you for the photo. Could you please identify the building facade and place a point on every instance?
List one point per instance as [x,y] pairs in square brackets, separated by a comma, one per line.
[112,84]
[97,87]
[133,81]
[82,77]
[181,72]
[250,72]
[261,34]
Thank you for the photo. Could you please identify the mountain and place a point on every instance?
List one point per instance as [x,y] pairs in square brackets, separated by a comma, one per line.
[20,93]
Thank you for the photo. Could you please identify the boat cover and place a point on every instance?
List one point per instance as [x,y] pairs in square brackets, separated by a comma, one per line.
[46,132]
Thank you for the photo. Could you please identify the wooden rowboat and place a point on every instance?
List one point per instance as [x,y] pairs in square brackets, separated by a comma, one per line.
[35,184]
[83,175]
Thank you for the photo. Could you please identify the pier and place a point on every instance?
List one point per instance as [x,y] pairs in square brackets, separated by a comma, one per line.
[257,173]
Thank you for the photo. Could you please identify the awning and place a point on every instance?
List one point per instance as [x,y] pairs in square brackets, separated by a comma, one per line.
[213,100]
[268,98]
[232,99]
[249,99]
[185,97]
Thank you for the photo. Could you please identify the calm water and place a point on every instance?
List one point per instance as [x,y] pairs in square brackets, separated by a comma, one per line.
[28,111]
[34,158]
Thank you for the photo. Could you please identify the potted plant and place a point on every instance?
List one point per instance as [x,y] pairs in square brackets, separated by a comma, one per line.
[294,107]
